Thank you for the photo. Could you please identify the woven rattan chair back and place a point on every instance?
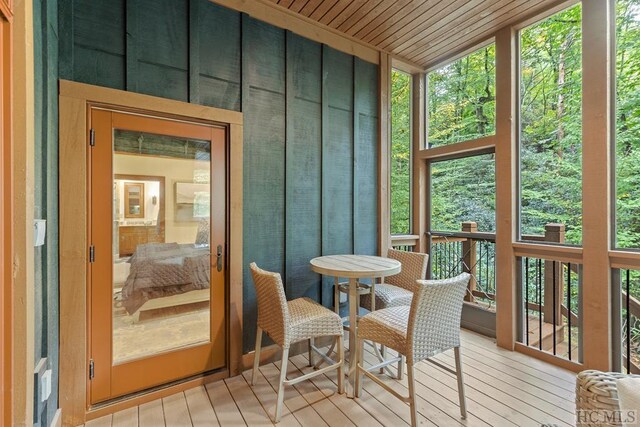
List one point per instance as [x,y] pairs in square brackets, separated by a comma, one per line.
[434,319]
[414,267]
[273,312]
[597,396]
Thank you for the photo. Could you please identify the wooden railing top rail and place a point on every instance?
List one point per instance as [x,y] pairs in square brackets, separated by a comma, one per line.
[404,240]
[463,234]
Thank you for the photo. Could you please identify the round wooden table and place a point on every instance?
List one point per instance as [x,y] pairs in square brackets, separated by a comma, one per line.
[354,267]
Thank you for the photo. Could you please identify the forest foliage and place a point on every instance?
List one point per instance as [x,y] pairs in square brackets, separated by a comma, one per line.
[461,106]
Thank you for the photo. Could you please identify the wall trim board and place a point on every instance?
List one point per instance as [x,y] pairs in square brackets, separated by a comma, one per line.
[23,208]
[140,101]
[304,26]
[74,127]
[384,154]
[6,214]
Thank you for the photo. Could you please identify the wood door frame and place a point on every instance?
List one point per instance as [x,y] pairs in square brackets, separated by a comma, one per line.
[6,184]
[75,101]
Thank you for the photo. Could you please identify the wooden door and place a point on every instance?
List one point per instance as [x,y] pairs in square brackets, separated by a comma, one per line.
[158,315]
[6,254]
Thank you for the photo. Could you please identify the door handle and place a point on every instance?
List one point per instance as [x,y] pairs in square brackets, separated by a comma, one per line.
[219,256]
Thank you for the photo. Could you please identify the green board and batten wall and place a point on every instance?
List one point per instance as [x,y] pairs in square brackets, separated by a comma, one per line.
[46,307]
[310,120]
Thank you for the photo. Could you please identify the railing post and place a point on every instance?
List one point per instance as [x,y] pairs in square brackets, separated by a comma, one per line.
[469,259]
[553,233]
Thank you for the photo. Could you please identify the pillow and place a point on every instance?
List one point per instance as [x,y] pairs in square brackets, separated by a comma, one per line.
[629,398]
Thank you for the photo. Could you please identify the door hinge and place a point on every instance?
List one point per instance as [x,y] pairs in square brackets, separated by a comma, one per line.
[91,369]
[92,137]
[92,253]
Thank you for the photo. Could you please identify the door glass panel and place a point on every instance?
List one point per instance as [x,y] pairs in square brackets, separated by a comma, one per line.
[161,259]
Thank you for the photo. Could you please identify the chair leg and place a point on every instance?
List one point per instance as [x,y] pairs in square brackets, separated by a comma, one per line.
[336,297]
[358,357]
[383,353]
[463,403]
[373,294]
[311,344]
[283,377]
[412,396]
[401,367]
[256,357]
[340,339]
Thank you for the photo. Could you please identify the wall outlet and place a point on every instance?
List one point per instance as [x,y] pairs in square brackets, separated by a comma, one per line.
[45,385]
[39,231]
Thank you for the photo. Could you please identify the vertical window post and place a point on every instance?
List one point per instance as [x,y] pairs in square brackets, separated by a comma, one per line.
[596,194]
[505,187]
[419,171]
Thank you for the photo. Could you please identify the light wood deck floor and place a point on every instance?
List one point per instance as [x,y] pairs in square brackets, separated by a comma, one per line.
[503,389]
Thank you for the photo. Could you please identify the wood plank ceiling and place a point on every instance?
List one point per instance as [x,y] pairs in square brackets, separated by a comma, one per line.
[423,32]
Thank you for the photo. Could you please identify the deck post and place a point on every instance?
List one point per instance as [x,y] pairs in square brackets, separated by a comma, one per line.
[598,26]
[506,218]
[469,257]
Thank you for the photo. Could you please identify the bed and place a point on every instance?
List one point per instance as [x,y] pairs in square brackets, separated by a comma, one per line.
[159,271]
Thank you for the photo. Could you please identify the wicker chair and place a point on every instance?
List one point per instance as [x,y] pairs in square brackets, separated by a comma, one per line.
[396,291]
[290,322]
[597,391]
[430,326]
